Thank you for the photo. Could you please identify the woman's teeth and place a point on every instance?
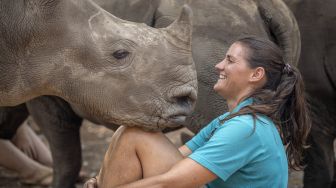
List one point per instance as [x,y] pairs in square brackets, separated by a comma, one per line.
[222,77]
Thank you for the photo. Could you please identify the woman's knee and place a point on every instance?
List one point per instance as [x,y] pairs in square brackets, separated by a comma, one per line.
[137,134]
[142,141]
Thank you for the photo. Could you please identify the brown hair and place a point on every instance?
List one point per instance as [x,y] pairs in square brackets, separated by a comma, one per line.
[281,98]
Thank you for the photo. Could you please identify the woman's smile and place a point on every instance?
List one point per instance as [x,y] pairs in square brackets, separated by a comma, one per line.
[222,77]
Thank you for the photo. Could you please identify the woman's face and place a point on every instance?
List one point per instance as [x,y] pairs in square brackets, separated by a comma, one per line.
[234,73]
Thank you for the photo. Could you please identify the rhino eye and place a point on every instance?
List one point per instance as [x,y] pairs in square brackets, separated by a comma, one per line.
[120,54]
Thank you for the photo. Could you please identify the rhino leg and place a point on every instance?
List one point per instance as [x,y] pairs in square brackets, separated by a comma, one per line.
[61,127]
[10,120]
[320,155]
[334,180]
[319,171]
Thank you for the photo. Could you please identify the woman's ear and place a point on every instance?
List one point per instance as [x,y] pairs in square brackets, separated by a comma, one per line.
[258,74]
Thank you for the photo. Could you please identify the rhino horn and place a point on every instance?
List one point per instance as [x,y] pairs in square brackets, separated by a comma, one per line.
[180,30]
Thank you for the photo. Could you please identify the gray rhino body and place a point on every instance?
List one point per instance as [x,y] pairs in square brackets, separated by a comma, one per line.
[317,23]
[216,24]
[71,59]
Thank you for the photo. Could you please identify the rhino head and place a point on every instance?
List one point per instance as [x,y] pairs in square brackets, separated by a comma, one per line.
[110,70]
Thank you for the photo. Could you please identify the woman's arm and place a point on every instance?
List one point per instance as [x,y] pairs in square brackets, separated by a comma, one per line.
[185,174]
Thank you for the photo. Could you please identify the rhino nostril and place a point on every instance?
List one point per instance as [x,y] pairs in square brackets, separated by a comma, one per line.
[185,98]
[184,101]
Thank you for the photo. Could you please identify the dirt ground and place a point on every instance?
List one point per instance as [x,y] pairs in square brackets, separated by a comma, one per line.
[95,140]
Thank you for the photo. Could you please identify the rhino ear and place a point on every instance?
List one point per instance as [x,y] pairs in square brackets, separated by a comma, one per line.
[283,27]
[181,28]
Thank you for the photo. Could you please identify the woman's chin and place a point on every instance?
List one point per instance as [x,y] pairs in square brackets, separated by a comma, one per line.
[220,90]
[217,87]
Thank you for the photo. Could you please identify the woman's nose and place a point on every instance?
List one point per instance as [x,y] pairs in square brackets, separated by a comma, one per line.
[220,65]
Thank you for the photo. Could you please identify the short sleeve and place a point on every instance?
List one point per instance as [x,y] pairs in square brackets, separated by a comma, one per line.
[231,147]
[201,137]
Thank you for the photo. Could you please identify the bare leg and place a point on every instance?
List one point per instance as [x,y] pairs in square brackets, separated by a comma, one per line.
[26,140]
[28,169]
[135,154]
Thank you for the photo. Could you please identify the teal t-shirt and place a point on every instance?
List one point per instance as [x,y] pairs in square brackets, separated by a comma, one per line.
[240,155]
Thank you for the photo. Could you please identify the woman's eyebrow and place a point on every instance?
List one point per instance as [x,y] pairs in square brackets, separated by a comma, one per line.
[230,57]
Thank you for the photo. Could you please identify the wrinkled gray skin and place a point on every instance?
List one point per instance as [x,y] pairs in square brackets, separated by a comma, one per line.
[317,23]
[216,24]
[108,70]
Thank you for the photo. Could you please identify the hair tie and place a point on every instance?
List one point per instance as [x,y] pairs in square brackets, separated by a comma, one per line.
[287,69]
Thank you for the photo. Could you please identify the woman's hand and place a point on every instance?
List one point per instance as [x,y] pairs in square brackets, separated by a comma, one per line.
[91,183]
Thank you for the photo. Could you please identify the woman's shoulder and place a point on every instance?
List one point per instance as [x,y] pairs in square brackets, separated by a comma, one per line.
[245,118]
[247,123]
[239,123]
[249,118]
[238,129]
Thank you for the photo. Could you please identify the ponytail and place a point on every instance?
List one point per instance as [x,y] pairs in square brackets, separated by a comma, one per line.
[294,122]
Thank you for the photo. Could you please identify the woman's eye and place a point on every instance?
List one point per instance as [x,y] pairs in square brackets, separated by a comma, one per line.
[230,61]
[120,54]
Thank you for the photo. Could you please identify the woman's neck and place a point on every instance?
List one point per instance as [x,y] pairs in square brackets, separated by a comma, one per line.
[234,101]
[232,104]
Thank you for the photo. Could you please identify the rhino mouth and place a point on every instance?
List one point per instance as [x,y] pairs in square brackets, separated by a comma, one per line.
[171,121]
[154,122]
[177,116]
[177,119]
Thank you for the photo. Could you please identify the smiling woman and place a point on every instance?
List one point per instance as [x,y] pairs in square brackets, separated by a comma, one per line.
[241,148]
